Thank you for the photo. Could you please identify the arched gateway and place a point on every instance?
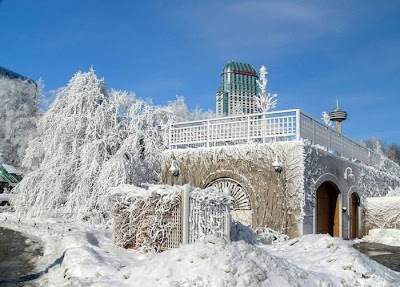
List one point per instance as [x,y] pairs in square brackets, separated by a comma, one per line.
[241,205]
[328,209]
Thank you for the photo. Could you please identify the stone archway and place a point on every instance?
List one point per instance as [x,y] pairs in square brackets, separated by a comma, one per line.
[241,206]
[354,204]
[328,209]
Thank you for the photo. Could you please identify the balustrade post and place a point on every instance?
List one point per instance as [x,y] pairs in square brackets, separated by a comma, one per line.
[313,130]
[297,124]
[329,138]
[208,133]
[170,136]
[341,144]
[248,129]
[227,230]
[185,215]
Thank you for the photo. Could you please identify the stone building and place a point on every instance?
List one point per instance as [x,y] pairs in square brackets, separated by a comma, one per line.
[286,170]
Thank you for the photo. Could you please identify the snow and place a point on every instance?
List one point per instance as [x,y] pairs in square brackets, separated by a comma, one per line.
[394,192]
[382,212]
[91,140]
[383,236]
[86,256]
[210,196]
[335,259]
[142,217]
[4,197]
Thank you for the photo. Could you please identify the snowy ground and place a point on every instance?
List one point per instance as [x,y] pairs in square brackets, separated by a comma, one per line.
[86,256]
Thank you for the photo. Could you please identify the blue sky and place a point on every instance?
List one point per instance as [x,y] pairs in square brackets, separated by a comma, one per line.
[315,51]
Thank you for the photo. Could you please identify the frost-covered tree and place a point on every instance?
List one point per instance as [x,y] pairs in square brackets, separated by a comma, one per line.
[391,151]
[19,111]
[265,101]
[80,132]
[326,119]
[375,145]
[90,141]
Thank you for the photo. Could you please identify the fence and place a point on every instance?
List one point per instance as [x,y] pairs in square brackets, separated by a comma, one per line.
[208,212]
[142,223]
[266,127]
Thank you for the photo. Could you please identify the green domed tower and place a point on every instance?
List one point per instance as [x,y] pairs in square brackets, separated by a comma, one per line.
[237,91]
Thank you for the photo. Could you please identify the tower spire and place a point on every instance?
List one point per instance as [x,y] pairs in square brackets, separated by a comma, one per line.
[338,116]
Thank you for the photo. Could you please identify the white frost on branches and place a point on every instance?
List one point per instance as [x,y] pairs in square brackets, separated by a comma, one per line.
[265,101]
[326,119]
[89,141]
[150,220]
[18,115]
[142,217]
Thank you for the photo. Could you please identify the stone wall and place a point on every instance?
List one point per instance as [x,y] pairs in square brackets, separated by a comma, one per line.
[284,202]
[322,165]
[276,199]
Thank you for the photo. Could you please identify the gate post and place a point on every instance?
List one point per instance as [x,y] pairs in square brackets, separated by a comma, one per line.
[185,214]
[227,230]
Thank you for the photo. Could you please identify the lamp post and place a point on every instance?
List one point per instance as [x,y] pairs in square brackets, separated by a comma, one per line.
[277,165]
[174,168]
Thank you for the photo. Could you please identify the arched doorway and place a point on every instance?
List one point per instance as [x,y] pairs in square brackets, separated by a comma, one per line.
[241,205]
[354,215]
[328,209]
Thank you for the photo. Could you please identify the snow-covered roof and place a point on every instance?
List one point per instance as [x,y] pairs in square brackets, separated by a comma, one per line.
[11,169]
[4,197]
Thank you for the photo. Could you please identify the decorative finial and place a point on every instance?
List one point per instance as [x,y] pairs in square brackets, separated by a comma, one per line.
[337,106]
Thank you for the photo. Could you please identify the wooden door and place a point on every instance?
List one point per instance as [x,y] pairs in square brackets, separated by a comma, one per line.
[336,221]
[324,221]
[328,210]
[353,215]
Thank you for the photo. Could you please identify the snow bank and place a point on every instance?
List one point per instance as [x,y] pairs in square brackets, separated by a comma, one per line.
[4,197]
[262,235]
[383,236]
[86,256]
[334,258]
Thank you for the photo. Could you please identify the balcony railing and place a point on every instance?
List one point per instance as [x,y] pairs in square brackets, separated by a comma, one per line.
[284,125]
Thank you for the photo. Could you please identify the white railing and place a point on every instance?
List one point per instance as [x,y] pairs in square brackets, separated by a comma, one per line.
[234,130]
[284,125]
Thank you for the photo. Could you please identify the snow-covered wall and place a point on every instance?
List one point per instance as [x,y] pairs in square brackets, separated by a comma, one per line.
[363,180]
[276,200]
[286,203]
[382,212]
